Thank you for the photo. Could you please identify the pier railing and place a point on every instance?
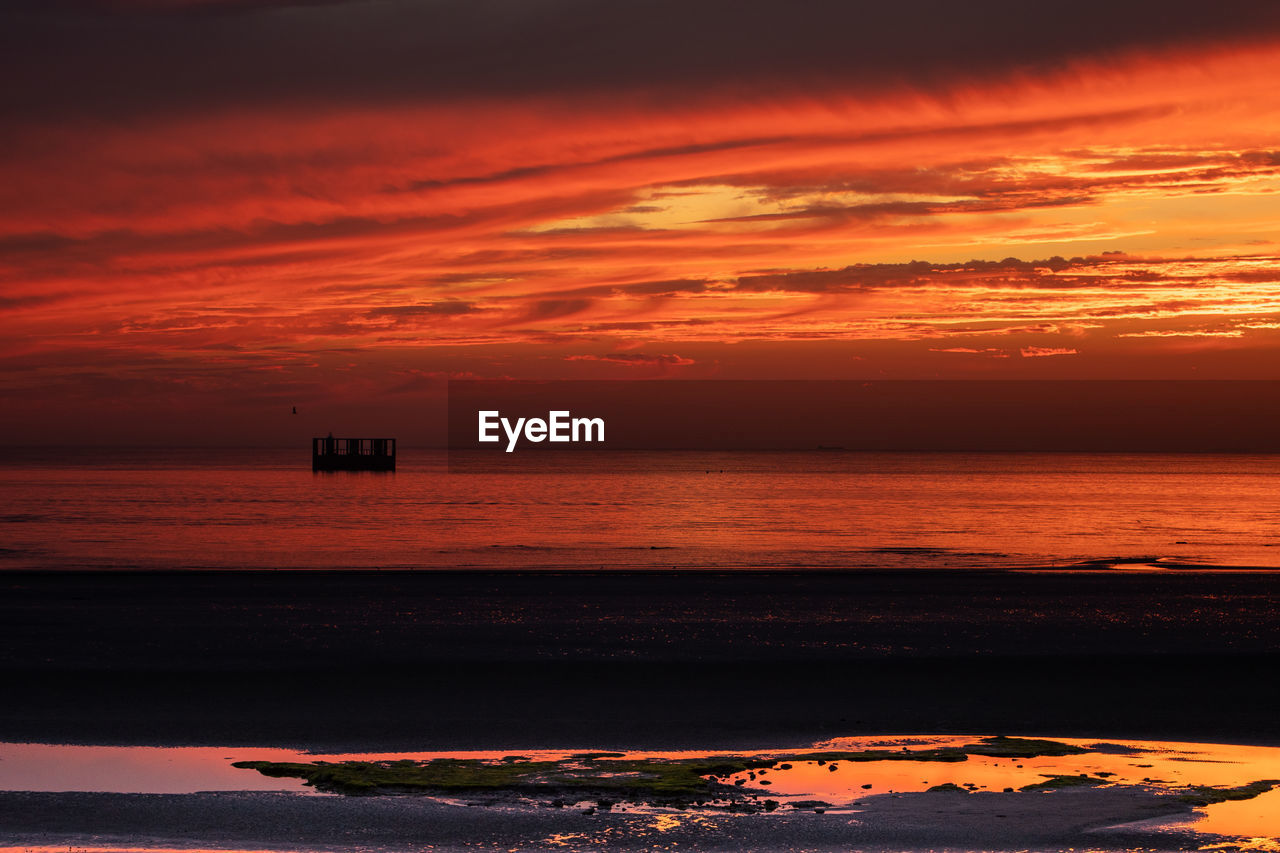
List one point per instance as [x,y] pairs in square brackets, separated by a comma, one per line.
[353,454]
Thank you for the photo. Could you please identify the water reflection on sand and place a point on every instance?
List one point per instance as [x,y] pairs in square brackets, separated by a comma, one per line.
[843,788]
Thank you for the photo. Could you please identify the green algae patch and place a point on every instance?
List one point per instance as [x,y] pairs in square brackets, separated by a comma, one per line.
[991,747]
[1207,795]
[640,778]
[582,774]
[609,773]
[1053,783]
[948,786]
[944,754]
[442,774]
[1019,747]
[809,804]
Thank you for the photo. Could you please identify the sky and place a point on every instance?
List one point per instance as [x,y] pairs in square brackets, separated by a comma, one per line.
[212,212]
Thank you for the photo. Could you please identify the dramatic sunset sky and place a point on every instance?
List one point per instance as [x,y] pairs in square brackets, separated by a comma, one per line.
[211,212]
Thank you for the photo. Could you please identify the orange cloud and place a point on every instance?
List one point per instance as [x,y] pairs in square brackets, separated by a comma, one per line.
[1115,206]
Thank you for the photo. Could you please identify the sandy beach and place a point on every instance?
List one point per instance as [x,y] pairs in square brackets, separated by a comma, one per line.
[256,821]
[384,661]
[1010,794]
[600,660]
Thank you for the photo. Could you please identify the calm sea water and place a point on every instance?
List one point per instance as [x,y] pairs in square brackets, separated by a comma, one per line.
[265,509]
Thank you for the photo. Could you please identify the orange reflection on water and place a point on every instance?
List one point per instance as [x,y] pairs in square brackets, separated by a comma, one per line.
[1167,767]
[1257,819]
[1159,764]
[137,769]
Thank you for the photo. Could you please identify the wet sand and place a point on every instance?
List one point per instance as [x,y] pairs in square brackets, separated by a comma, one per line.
[1060,820]
[398,660]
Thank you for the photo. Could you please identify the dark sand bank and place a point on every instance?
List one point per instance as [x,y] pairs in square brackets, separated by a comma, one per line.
[1060,820]
[388,660]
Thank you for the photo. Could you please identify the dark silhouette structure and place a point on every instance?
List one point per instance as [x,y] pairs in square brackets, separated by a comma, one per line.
[353,454]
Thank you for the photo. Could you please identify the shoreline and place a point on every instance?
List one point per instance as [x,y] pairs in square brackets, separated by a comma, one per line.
[357,661]
[1070,794]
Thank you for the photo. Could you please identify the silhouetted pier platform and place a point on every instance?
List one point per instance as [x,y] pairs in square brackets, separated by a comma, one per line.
[353,454]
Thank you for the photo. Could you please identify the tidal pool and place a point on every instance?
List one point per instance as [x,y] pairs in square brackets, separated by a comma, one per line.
[790,780]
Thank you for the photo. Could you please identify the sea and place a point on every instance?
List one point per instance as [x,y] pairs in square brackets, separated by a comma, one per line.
[201,508]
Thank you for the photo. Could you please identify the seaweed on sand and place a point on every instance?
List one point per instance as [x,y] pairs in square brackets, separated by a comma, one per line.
[1019,747]
[635,779]
[1207,795]
[1065,780]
